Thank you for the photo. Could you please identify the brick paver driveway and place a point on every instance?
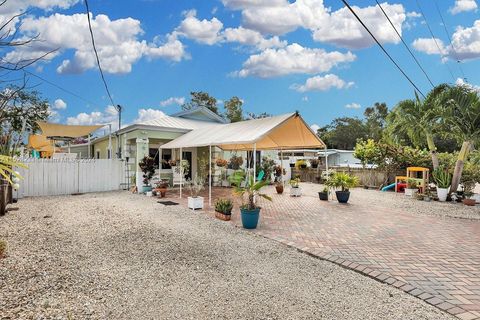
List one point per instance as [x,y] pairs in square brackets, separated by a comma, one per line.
[436,259]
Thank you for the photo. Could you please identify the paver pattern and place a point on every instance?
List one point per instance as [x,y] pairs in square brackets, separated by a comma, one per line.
[433,258]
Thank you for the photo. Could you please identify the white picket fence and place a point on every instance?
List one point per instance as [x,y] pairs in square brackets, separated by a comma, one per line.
[51,177]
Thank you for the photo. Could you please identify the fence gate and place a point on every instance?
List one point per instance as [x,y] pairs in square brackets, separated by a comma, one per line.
[51,177]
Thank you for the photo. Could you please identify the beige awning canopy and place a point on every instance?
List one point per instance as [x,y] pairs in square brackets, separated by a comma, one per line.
[37,141]
[273,133]
[62,131]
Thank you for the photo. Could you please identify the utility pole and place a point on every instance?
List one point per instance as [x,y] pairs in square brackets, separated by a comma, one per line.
[119,110]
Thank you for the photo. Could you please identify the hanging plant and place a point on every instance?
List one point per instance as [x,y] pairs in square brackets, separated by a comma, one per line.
[221,162]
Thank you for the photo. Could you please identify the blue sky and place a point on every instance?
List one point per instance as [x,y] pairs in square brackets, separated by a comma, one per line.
[277,55]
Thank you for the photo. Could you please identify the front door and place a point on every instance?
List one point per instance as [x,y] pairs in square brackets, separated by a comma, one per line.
[187,155]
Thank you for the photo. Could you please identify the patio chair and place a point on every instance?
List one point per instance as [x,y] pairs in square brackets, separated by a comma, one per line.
[260,176]
[177,179]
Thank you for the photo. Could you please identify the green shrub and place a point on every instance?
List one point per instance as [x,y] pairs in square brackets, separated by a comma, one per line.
[442,178]
[224,206]
[342,181]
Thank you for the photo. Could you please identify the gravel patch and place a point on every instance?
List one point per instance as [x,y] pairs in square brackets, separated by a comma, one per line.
[124,256]
[401,202]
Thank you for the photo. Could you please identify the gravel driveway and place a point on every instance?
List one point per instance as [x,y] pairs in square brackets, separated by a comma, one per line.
[123,256]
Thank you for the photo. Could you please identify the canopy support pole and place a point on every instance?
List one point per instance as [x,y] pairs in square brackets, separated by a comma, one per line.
[180,169]
[281,165]
[326,158]
[89,155]
[160,163]
[109,141]
[210,177]
[68,146]
[254,162]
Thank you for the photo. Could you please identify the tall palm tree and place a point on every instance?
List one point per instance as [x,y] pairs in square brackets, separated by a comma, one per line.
[418,120]
[460,112]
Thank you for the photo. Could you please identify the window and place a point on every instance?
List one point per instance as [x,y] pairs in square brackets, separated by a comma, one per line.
[153,153]
[108,154]
[166,156]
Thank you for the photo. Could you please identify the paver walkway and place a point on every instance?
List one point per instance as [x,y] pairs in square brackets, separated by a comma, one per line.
[433,258]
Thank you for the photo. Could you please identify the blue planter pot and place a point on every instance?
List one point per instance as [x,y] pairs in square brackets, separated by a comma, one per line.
[342,196]
[146,189]
[250,218]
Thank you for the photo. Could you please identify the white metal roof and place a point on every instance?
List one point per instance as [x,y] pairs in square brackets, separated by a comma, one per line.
[178,123]
[283,131]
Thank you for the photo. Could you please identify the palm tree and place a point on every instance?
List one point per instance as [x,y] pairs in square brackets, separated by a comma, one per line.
[460,112]
[418,120]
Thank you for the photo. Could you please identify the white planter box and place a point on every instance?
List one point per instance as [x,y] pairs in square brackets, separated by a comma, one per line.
[442,194]
[410,192]
[295,192]
[195,203]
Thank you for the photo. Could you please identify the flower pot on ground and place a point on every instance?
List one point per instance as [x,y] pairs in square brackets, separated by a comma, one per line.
[223,209]
[443,179]
[295,190]
[469,183]
[469,202]
[292,165]
[147,165]
[195,203]
[161,188]
[323,195]
[344,182]
[195,186]
[412,187]
[249,210]
[279,187]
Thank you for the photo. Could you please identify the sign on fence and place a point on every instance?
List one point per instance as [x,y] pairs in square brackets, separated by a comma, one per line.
[51,177]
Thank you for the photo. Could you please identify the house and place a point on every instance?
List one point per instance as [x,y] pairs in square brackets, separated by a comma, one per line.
[138,140]
[340,158]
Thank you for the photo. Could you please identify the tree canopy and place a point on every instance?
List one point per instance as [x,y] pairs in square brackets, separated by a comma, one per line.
[201,99]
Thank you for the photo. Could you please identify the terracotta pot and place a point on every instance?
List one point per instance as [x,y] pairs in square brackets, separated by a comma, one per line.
[223,216]
[161,192]
[279,188]
[469,202]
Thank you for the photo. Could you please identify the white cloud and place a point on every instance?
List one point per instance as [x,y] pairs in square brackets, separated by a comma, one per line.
[117,42]
[338,27]
[466,42]
[293,59]
[322,83]
[109,115]
[430,46]
[250,37]
[148,114]
[461,82]
[203,31]
[59,104]
[305,99]
[315,127]
[353,106]
[172,101]
[463,6]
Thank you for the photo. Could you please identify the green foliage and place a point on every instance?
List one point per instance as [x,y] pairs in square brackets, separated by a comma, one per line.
[147,165]
[470,176]
[367,151]
[251,115]
[442,178]
[236,178]
[201,99]
[233,109]
[375,120]
[300,163]
[250,191]
[295,183]
[235,162]
[7,164]
[343,133]
[224,206]
[342,180]
[412,184]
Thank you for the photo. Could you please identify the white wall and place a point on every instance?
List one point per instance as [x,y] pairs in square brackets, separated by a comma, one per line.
[51,177]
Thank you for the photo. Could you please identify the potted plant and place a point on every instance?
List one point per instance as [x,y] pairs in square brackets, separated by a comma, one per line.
[250,212]
[442,179]
[314,163]
[147,165]
[427,196]
[221,163]
[412,187]
[172,162]
[323,195]
[279,187]
[279,172]
[295,190]
[235,162]
[195,186]
[161,188]
[342,181]
[302,164]
[468,188]
[292,164]
[223,209]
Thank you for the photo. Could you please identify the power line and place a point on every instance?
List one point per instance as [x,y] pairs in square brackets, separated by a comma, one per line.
[405,44]
[451,43]
[96,54]
[435,39]
[59,87]
[381,46]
